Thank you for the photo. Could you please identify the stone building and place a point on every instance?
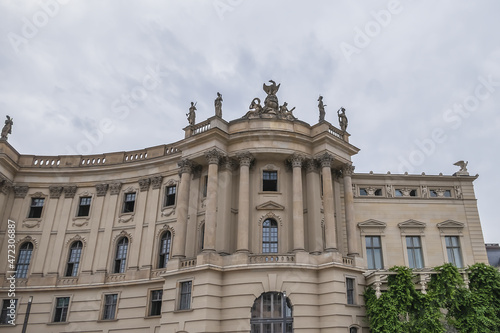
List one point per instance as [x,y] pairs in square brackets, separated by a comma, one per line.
[258,224]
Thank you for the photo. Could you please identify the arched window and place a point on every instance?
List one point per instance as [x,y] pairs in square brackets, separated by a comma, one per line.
[353,330]
[165,242]
[74,259]
[23,260]
[202,237]
[270,236]
[272,312]
[121,255]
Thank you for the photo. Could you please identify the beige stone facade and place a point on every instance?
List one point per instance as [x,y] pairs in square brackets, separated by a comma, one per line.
[186,237]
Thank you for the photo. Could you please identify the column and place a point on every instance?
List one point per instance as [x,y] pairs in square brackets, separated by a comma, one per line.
[352,235]
[314,207]
[213,157]
[245,159]
[298,203]
[328,205]
[179,241]
[151,211]
[225,195]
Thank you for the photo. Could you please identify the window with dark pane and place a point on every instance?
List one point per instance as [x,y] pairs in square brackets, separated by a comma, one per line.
[271,312]
[84,206]
[36,208]
[129,203]
[165,242]
[374,252]
[61,310]
[270,236]
[121,255]
[23,260]
[453,250]
[170,195]
[349,282]
[270,181]
[109,308]
[75,253]
[7,304]
[185,295]
[155,306]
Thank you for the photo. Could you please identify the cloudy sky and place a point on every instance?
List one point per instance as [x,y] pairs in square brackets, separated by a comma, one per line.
[420,80]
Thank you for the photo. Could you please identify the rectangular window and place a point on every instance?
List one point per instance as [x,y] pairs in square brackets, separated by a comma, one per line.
[374,252]
[349,283]
[155,305]
[185,295]
[129,203]
[9,307]
[453,249]
[61,310]
[170,195]
[414,248]
[84,206]
[270,181]
[36,208]
[109,309]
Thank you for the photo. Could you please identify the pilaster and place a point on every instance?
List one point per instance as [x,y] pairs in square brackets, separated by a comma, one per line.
[245,159]
[179,244]
[328,205]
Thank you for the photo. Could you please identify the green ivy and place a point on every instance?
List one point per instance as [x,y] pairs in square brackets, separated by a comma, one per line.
[474,308]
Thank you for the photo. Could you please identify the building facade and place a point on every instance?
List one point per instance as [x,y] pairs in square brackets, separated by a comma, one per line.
[253,225]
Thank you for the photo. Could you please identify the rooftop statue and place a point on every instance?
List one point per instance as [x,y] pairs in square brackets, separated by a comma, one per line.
[271,102]
[191,116]
[285,113]
[7,129]
[342,119]
[321,108]
[218,105]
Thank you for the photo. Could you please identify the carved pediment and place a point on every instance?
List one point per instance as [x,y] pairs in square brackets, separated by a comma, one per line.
[451,224]
[412,224]
[270,205]
[372,226]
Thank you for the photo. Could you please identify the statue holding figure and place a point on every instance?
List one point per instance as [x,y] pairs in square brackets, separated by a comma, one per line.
[191,116]
[285,113]
[218,105]
[271,102]
[7,128]
[321,108]
[342,119]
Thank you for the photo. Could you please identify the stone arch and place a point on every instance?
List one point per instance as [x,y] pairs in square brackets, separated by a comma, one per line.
[270,215]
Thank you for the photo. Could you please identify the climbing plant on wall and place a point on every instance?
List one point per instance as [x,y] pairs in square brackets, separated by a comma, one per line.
[449,301]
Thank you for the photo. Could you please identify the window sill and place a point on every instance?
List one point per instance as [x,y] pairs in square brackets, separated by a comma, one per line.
[153,317]
[58,323]
[181,311]
[106,320]
[270,192]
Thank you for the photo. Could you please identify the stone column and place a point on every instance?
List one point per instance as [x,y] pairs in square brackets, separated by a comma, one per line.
[179,242]
[298,203]
[245,159]
[328,205]
[352,235]
[314,207]
[224,222]
[213,157]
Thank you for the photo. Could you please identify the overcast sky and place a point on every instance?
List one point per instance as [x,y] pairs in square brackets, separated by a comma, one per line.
[420,80]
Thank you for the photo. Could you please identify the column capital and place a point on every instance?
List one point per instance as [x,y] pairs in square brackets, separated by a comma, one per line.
[55,191]
[115,188]
[156,182]
[297,160]
[20,191]
[185,165]
[311,165]
[5,186]
[214,156]
[245,158]
[69,191]
[228,164]
[347,170]
[144,184]
[325,160]
[101,189]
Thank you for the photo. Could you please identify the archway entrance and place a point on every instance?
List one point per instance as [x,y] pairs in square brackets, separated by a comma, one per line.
[272,313]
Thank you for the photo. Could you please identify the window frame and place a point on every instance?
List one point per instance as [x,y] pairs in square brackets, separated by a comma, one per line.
[372,252]
[274,181]
[4,311]
[122,261]
[55,309]
[71,264]
[126,203]
[458,248]
[413,248]
[36,208]
[105,305]
[152,302]
[185,296]
[351,298]
[85,206]
[164,256]
[25,266]
[268,244]
[266,303]
[168,196]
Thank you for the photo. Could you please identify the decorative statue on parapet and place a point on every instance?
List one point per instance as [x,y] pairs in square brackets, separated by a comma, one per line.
[191,116]
[321,108]
[218,105]
[7,129]
[285,113]
[463,168]
[271,102]
[342,119]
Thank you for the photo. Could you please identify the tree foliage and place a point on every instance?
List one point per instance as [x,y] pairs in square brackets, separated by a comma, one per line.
[472,307]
